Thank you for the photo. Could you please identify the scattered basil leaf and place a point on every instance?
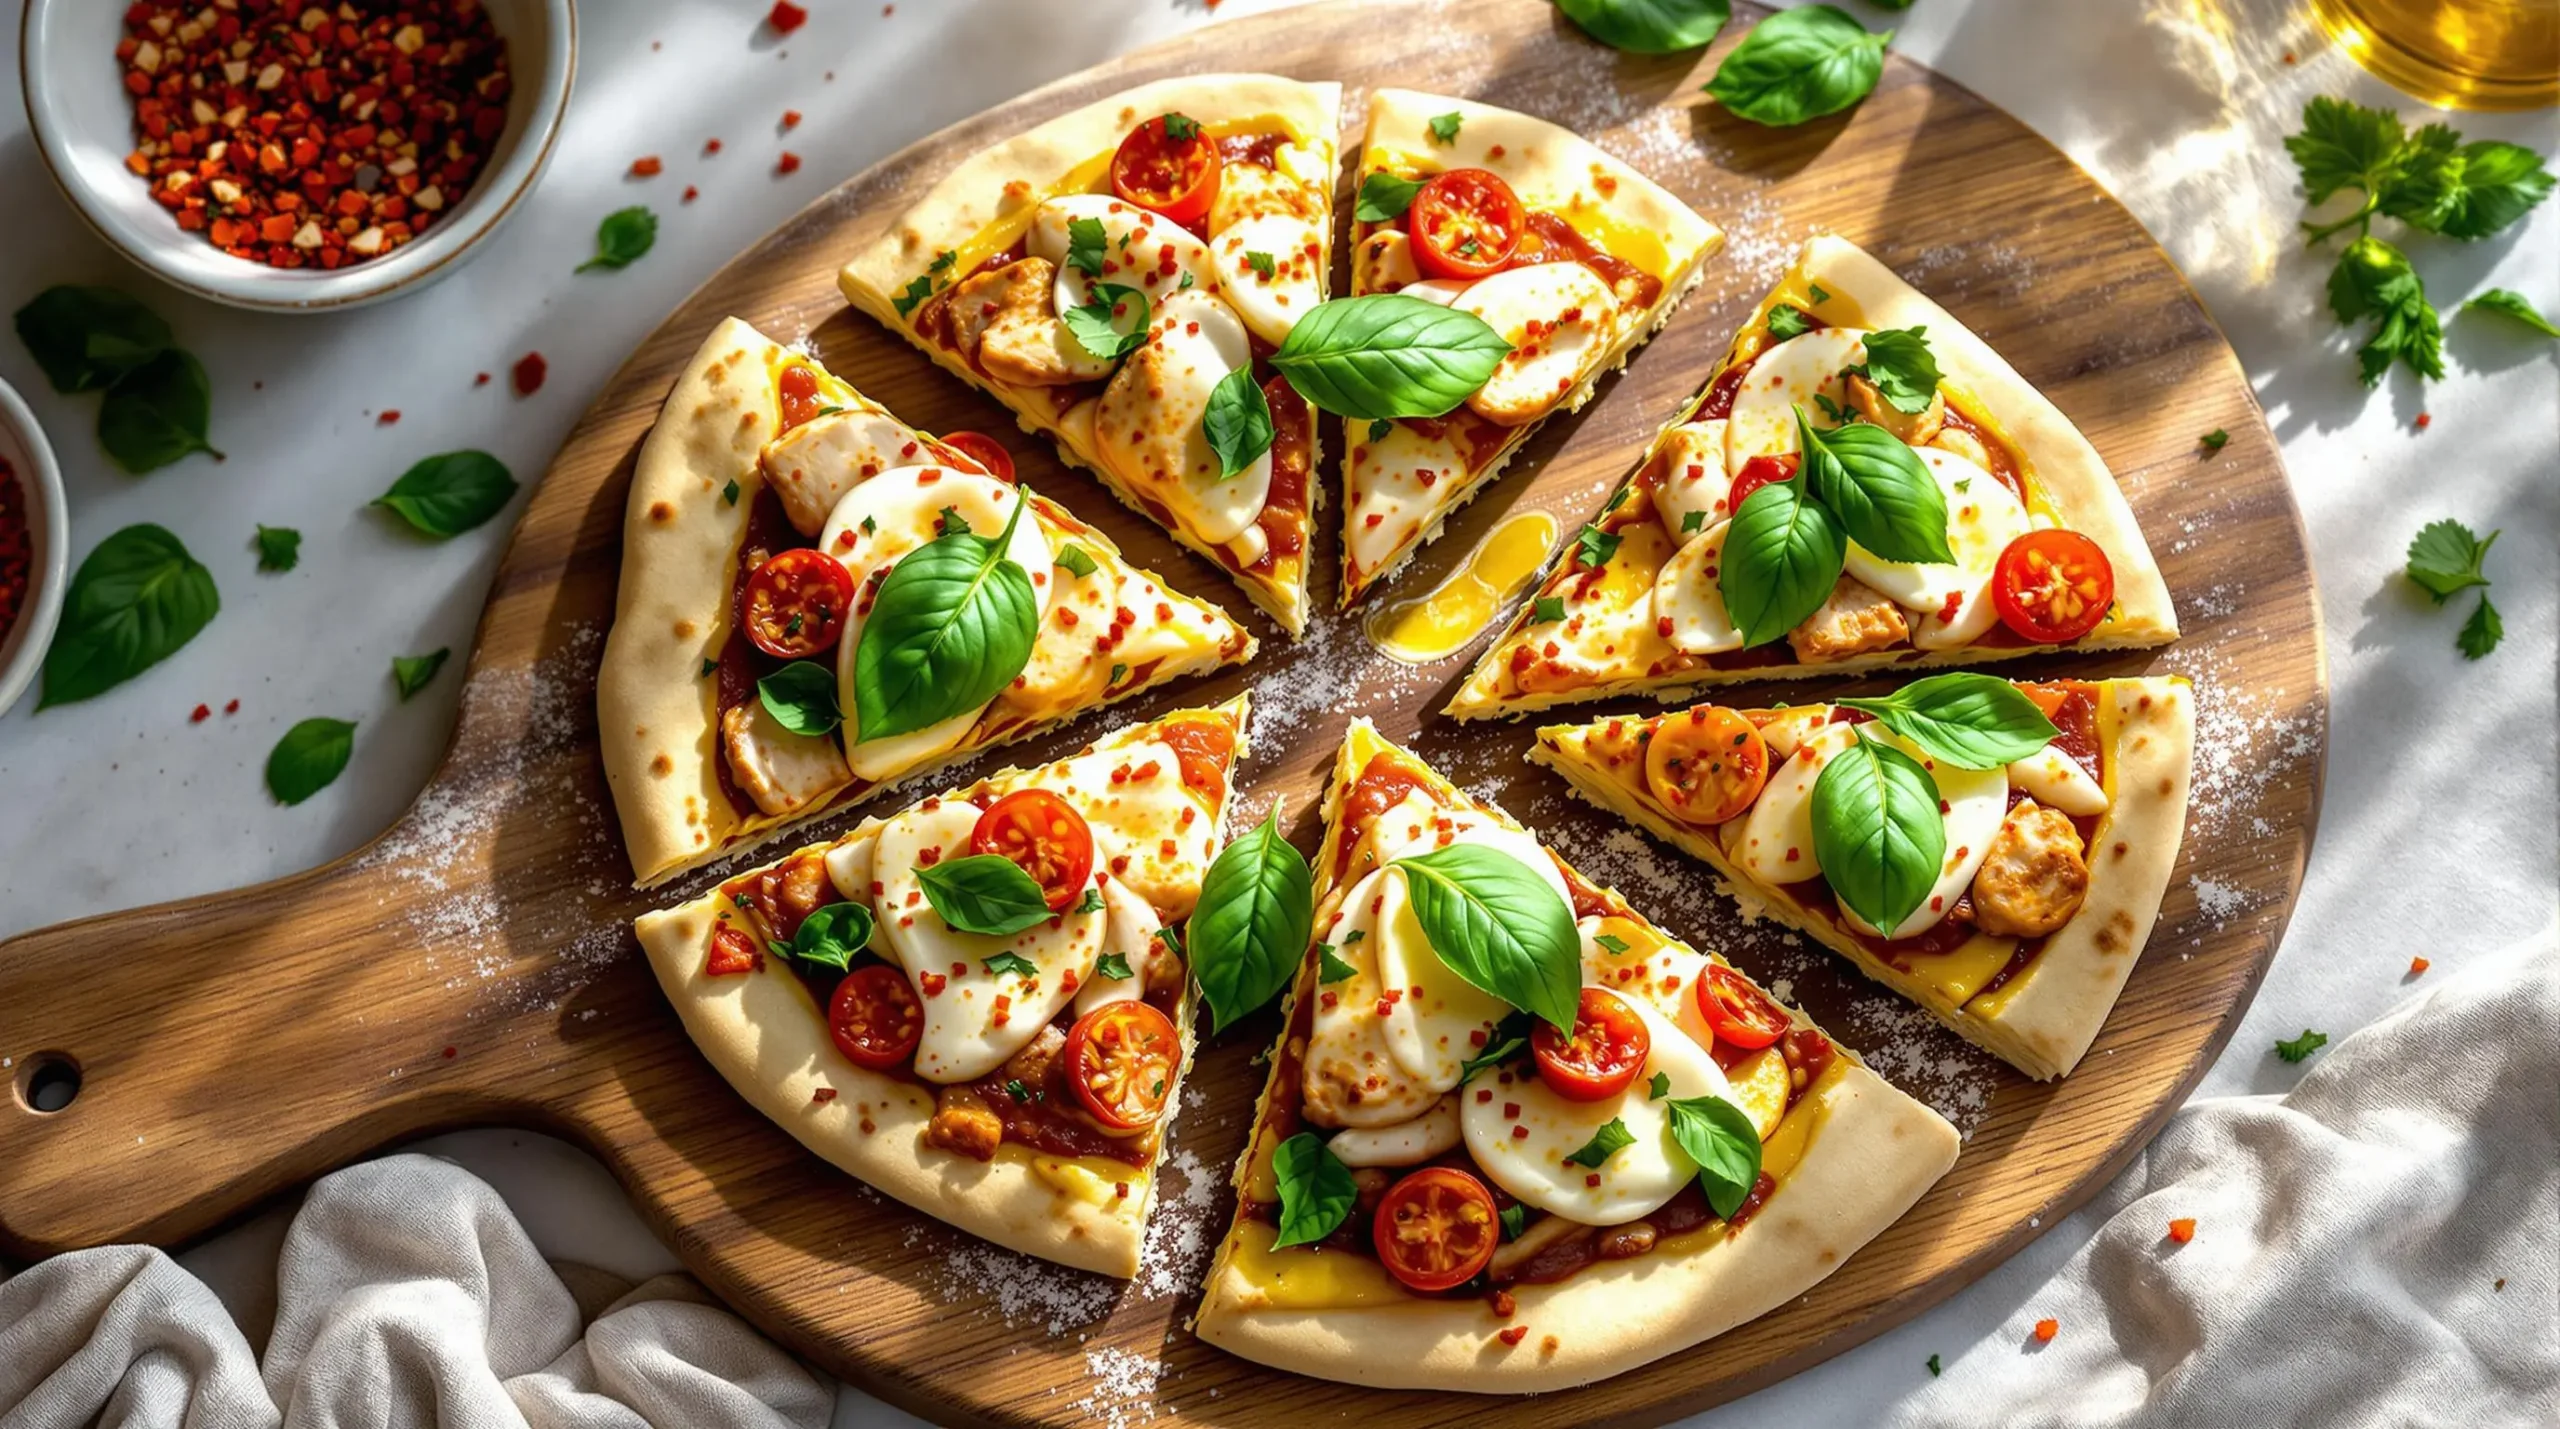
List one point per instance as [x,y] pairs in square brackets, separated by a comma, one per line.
[1077,562]
[1814,290]
[1608,1141]
[1884,499]
[1238,422]
[1515,1219]
[156,413]
[1262,264]
[984,893]
[948,630]
[1902,367]
[2297,1048]
[1085,240]
[1388,355]
[1659,1087]
[709,668]
[1255,916]
[801,697]
[1594,546]
[2512,305]
[1095,326]
[1611,943]
[1783,552]
[1315,1190]
[134,601]
[1649,27]
[1091,902]
[309,758]
[2444,557]
[1786,322]
[2374,279]
[1114,966]
[1510,1039]
[729,493]
[1444,127]
[1498,926]
[1970,721]
[1725,1143]
[2215,440]
[912,294]
[1181,128]
[1118,673]
[1800,64]
[412,673]
[1877,832]
[1934,1367]
[1547,608]
[1330,968]
[1384,196]
[446,495]
[279,548]
[1378,429]
[831,935]
[625,234]
[2481,633]
[1009,964]
[1014,1088]
[1695,520]
[86,338]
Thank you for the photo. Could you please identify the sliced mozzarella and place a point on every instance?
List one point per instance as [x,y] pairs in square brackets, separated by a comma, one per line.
[1150,831]
[1498,1104]
[1383,263]
[1247,191]
[1776,843]
[1140,250]
[1792,727]
[1435,1019]
[973,1019]
[1557,318]
[813,465]
[850,864]
[1396,486]
[1784,377]
[1407,1143]
[1151,425]
[1694,480]
[779,769]
[1129,928]
[2058,781]
[1410,825]
[1351,1076]
[1293,248]
[1082,637]
[1444,291]
[1610,629]
[1639,962]
[1983,517]
[1976,801]
[1688,596]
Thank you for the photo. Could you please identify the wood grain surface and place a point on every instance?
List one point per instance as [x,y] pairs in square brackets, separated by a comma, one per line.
[475,964]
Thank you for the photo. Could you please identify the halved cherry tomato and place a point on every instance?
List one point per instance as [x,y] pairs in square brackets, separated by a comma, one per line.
[1706,764]
[1175,177]
[1738,1012]
[985,450]
[1121,1060]
[1608,1047]
[1046,836]
[875,1018]
[798,388]
[2052,586]
[796,602]
[1758,472]
[1465,223]
[1436,1228]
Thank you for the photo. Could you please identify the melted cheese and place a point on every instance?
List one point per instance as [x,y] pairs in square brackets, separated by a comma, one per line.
[1776,842]
[1295,250]
[1694,480]
[1150,425]
[1983,517]
[1069,668]
[1389,488]
[1129,929]
[1647,966]
[2057,781]
[1350,1075]
[1140,250]
[813,465]
[1152,833]
[1436,1019]
[1784,377]
[1383,263]
[1557,318]
[1689,595]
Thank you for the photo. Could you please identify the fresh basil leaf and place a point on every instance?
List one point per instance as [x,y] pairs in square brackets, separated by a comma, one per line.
[1722,1139]
[134,601]
[801,697]
[1510,1039]
[156,413]
[411,673]
[1611,943]
[279,548]
[1078,563]
[1786,322]
[444,496]
[1782,554]
[2481,633]
[948,630]
[1010,964]
[912,294]
[1499,926]
[1877,831]
[1085,240]
[1181,128]
[1253,922]
[1095,326]
[86,338]
[1547,608]
[623,237]
[2294,1049]
[1316,1193]
[1387,355]
[1114,966]
[1262,264]
[1238,422]
[2344,145]
[1902,367]
[2471,192]
[1384,196]
[1444,127]
[1091,902]
[1970,721]
[2507,303]
[1885,500]
[2212,441]
[1330,968]
[1515,1219]
[309,758]
[1608,1141]
[1649,27]
[831,935]
[1595,546]
[2444,557]
[1693,520]
[984,893]
[1800,64]
[1659,1087]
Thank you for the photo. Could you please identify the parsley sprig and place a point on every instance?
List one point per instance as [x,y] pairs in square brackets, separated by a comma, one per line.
[2445,559]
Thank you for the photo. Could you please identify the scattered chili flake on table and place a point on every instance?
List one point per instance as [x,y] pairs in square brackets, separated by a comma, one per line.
[201,714]
[790,120]
[2423,420]
[481,380]
[786,17]
[530,370]
[299,136]
[231,708]
[710,147]
[17,552]
[790,163]
[691,193]
[2046,1330]
[390,416]
[2183,1229]
[646,167]
[451,1052]
[2417,966]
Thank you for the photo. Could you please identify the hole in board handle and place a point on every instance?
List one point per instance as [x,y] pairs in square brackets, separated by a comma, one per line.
[48,1082]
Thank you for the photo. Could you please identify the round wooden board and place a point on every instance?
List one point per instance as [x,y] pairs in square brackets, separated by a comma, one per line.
[475,965]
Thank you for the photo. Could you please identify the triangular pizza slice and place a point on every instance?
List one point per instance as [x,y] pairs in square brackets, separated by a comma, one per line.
[1442,1192]
[818,600]
[979,1004]
[2054,838]
[1949,515]
[1569,254]
[1119,276]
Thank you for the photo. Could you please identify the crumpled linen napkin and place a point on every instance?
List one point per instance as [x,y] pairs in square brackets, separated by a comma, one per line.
[2350,1240]
[406,1293]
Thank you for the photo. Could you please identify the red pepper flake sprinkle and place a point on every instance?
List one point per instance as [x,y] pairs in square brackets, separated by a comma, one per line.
[301,136]
[2417,966]
[529,372]
[822,1096]
[789,164]
[790,120]
[786,17]
[451,1052]
[231,708]
[2046,1330]
[2183,1229]
[647,167]
[17,547]
[390,417]
[710,147]
[480,380]
[691,193]
[1514,1335]
[202,713]
[2423,419]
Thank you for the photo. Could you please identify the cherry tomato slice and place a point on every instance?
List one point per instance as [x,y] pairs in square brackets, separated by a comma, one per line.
[1436,1228]
[1758,472]
[875,1018]
[1738,1012]
[2053,586]
[1608,1047]
[797,389]
[1465,223]
[1175,177]
[1706,764]
[1046,836]
[986,451]
[1121,1060]
[796,602]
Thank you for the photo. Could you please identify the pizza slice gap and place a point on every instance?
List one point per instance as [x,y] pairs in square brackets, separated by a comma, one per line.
[1441,1193]
[1568,254]
[1949,515]
[2054,809]
[1119,277]
[780,523]
[979,1004]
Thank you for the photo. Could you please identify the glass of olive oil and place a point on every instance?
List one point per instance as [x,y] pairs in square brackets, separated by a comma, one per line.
[2463,54]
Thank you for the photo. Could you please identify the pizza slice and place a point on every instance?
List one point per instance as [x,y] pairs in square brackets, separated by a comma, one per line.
[1994,852]
[1949,515]
[1568,254]
[1441,1192]
[978,1004]
[1119,276]
[818,600]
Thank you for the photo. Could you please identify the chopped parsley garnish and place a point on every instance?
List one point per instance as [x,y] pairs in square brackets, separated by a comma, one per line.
[1078,563]
[1262,263]
[1331,968]
[1515,1219]
[2302,1046]
[1934,1368]
[1547,608]
[1444,127]
[1084,246]
[1786,321]
[1114,966]
[1090,903]
[912,294]
[1819,297]
[1692,521]
[729,493]
[1181,128]
[1596,546]
[1604,1143]
[1014,1088]
[279,548]
[1379,428]
[1659,1088]
[2215,440]
[1612,942]
[1118,673]
[943,260]
[710,668]
[1012,964]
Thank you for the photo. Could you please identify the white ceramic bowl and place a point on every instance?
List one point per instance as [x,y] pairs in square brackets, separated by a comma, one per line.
[23,446]
[83,123]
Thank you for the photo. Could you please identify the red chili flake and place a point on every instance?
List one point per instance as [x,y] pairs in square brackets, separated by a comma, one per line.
[822,1096]
[17,547]
[786,17]
[2046,1330]
[2423,419]
[390,417]
[451,1052]
[691,193]
[790,120]
[789,164]
[2183,1229]
[231,708]
[1514,1335]
[203,713]
[647,167]
[529,372]
[710,147]
[2417,966]
[481,380]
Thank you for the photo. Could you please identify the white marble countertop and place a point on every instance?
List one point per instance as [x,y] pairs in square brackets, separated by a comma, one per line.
[2178,110]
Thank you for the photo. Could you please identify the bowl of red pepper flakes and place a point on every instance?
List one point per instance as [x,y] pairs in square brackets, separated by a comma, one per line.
[296,155]
[35,546]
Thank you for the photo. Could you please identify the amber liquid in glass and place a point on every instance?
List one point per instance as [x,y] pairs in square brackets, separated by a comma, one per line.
[2464,54]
